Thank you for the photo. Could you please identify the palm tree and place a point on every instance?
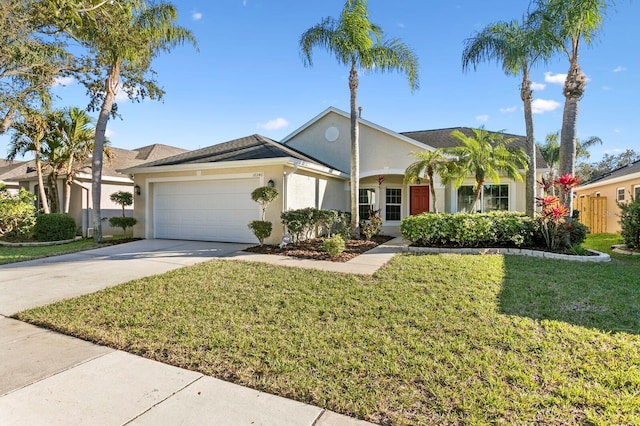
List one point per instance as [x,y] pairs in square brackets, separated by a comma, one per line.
[27,137]
[550,150]
[358,44]
[484,156]
[517,47]
[429,163]
[73,140]
[567,23]
[124,38]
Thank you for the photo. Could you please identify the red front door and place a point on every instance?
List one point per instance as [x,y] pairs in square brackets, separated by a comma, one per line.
[419,199]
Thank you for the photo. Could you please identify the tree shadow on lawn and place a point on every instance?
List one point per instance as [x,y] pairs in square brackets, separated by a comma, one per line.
[594,295]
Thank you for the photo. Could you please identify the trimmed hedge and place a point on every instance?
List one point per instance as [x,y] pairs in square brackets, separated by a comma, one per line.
[630,223]
[54,227]
[469,229]
[309,222]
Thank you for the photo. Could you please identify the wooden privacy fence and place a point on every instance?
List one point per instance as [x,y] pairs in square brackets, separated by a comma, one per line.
[593,213]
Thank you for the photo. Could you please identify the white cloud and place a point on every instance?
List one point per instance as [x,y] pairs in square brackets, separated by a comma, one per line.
[613,151]
[482,118]
[537,86]
[616,130]
[63,81]
[619,68]
[509,109]
[121,95]
[606,88]
[278,123]
[540,106]
[196,16]
[550,77]
[109,133]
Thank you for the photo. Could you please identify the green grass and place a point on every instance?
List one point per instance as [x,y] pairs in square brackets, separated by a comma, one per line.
[442,339]
[19,254]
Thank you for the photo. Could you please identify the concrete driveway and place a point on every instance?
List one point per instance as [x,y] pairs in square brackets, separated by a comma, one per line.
[39,282]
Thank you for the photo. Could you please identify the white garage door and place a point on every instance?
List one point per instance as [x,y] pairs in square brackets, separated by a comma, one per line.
[205,210]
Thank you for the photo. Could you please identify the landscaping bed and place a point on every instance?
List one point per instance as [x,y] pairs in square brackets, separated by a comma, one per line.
[312,249]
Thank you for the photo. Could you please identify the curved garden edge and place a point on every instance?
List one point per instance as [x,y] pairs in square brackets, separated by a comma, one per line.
[39,243]
[597,257]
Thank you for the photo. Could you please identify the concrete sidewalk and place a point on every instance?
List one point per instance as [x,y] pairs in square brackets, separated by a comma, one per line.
[47,378]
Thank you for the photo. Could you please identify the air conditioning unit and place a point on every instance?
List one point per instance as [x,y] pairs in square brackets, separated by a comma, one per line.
[89,232]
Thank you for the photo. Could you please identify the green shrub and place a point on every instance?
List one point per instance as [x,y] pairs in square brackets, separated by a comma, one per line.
[261,229]
[334,245]
[264,195]
[468,229]
[577,233]
[17,214]
[371,227]
[303,223]
[630,223]
[122,222]
[54,227]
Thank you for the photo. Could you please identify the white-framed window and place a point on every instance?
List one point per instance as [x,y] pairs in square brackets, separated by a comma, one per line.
[636,192]
[366,202]
[492,197]
[393,204]
[620,194]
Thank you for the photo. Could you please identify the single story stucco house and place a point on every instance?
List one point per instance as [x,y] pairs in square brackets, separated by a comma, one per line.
[205,194]
[598,199]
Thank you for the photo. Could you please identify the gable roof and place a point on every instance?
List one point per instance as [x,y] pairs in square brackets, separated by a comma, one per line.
[254,147]
[616,175]
[362,121]
[441,138]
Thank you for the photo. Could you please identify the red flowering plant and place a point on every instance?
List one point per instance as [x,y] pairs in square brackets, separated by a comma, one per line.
[555,224]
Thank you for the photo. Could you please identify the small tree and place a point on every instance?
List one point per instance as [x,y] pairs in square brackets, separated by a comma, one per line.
[630,223]
[123,199]
[263,195]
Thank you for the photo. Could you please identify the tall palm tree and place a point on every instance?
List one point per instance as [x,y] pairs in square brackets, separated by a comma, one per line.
[358,44]
[568,23]
[428,165]
[27,137]
[484,155]
[517,47]
[124,38]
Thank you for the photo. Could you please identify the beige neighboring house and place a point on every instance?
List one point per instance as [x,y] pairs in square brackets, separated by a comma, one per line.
[205,194]
[81,205]
[598,198]
[10,169]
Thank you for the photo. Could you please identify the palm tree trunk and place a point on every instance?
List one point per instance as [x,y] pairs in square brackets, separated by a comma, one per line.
[355,151]
[433,190]
[43,194]
[573,90]
[530,180]
[476,197]
[111,87]
[53,192]
[67,193]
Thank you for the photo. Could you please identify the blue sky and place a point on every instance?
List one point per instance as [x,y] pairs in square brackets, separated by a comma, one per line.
[248,76]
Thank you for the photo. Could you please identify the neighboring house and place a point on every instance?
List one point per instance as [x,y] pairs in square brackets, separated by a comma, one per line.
[81,203]
[10,169]
[205,194]
[597,199]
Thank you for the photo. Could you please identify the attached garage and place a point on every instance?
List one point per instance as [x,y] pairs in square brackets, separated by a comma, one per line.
[205,195]
[205,210]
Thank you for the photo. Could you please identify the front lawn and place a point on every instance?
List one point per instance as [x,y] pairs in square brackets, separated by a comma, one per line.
[18,254]
[436,339]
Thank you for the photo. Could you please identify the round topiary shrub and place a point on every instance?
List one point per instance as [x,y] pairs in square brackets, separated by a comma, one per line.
[54,227]
[334,245]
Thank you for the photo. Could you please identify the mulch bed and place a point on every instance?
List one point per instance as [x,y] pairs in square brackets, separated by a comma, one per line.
[312,249]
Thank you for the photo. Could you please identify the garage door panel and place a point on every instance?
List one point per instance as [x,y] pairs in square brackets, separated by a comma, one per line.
[214,210]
